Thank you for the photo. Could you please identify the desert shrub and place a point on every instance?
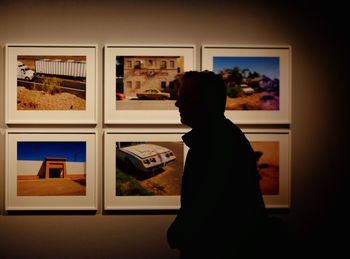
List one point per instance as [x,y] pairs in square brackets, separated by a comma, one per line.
[233,92]
[127,185]
[52,85]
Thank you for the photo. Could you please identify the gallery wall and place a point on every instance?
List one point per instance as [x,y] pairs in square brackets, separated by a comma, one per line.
[319,112]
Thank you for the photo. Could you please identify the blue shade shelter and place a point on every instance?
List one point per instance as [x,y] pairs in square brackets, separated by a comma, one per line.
[37,151]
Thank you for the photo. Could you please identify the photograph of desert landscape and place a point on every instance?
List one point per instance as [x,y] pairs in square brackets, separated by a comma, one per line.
[149,168]
[51,168]
[51,82]
[267,155]
[253,83]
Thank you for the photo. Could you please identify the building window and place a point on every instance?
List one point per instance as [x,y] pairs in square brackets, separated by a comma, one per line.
[137,64]
[137,84]
[150,63]
[129,84]
[172,63]
[162,64]
[128,64]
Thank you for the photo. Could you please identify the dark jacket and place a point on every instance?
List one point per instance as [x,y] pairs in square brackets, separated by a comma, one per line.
[221,201]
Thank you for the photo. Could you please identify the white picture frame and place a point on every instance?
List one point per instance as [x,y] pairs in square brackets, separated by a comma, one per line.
[130,69]
[33,183]
[169,199]
[274,165]
[265,73]
[50,84]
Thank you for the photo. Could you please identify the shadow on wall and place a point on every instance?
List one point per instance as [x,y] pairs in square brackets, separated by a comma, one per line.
[42,170]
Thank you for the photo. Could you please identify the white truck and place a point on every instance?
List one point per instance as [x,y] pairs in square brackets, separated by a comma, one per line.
[24,72]
[61,68]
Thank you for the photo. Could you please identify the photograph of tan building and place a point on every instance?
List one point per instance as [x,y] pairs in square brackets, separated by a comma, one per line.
[141,79]
[51,168]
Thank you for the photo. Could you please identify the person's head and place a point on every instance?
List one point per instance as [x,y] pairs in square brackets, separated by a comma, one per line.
[201,97]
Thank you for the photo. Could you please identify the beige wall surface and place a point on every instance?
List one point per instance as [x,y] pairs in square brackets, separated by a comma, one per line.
[319,112]
[26,167]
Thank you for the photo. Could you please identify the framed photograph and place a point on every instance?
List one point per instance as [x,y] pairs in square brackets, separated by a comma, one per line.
[143,169]
[273,153]
[139,85]
[51,84]
[258,81]
[47,170]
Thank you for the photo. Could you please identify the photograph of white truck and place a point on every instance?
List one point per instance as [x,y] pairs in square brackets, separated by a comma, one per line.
[61,68]
[69,67]
[51,82]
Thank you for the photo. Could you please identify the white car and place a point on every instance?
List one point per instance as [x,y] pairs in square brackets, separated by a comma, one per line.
[247,89]
[145,157]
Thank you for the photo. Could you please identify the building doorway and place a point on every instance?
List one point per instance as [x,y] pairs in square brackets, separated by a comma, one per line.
[55,167]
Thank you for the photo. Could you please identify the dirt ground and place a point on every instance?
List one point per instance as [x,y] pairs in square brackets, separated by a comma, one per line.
[269,175]
[253,102]
[166,183]
[39,100]
[51,187]
[269,181]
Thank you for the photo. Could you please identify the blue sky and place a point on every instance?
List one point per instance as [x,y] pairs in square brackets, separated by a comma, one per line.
[268,66]
[72,151]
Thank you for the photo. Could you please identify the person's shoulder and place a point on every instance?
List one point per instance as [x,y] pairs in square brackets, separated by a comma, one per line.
[234,134]
[232,127]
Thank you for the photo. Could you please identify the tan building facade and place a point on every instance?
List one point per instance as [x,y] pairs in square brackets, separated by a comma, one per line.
[150,72]
[50,168]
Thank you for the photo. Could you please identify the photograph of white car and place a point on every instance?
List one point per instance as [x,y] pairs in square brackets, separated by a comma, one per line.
[145,157]
[247,90]
[149,168]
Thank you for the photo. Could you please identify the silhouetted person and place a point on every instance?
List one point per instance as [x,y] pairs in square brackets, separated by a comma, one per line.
[222,212]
